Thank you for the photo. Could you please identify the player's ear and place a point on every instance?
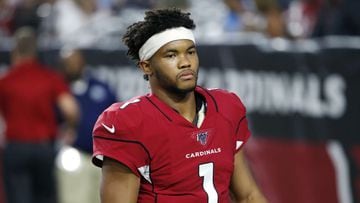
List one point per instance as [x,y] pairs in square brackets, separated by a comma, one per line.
[145,67]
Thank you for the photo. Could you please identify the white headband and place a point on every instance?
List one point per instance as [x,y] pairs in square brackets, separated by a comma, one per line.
[158,40]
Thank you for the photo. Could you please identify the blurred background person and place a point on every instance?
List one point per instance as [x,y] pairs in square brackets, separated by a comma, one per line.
[264,16]
[337,17]
[241,15]
[80,183]
[301,17]
[72,16]
[273,13]
[6,15]
[25,14]
[83,22]
[29,93]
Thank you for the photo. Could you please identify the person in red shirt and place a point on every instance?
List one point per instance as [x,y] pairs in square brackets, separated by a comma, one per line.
[181,142]
[29,95]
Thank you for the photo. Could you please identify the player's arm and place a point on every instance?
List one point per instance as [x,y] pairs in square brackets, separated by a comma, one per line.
[119,184]
[243,186]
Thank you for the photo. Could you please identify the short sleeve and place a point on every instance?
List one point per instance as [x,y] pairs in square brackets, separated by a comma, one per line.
[113,138]
[242,132]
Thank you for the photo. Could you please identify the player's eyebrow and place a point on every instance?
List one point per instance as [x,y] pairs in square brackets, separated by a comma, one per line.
[176,50]
[191,46]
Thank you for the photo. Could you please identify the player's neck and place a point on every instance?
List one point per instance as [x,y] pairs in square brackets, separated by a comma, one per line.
[184,104]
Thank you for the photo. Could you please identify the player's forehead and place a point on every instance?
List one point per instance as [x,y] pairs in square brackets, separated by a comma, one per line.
[177,46]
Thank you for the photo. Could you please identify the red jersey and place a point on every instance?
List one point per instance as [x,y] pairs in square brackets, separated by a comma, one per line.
[176,160]
[28,95]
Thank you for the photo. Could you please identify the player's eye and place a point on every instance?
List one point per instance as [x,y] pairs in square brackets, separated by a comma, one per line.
[170,55]
[192,51]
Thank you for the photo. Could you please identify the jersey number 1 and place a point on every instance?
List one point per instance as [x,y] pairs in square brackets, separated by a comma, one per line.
[207,172]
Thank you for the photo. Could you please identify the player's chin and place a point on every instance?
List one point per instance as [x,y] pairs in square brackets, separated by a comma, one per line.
[187,87]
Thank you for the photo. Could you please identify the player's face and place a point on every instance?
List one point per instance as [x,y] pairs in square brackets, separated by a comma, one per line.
[175,66]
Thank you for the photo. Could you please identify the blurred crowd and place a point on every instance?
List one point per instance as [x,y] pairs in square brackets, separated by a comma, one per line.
[88,22]
[296,18]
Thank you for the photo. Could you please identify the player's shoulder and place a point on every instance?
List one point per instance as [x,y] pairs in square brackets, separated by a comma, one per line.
[224,97]
[219,92]
[127,113]
[130,108]
[121,119]
[226,102]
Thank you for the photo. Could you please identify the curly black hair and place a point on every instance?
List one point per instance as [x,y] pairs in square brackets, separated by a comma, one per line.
[155,21]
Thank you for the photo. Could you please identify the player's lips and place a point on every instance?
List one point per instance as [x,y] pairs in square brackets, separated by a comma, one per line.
[186,75]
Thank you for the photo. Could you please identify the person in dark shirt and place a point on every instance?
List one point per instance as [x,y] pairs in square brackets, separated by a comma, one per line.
[93,97]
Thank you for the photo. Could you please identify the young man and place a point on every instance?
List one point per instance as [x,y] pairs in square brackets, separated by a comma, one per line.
[182,142]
